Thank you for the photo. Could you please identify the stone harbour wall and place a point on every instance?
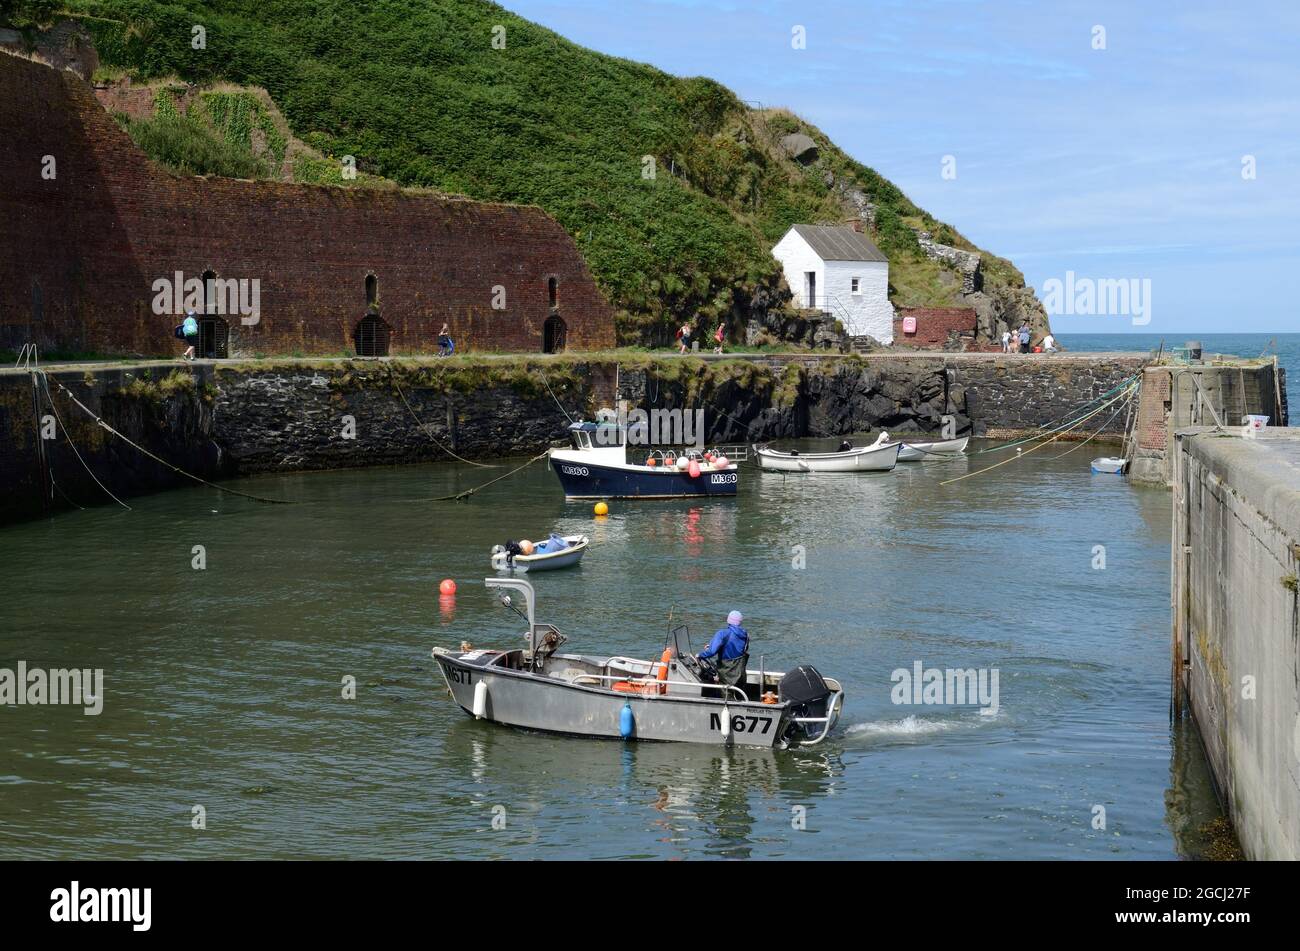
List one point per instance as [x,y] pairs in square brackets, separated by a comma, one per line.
[226,419]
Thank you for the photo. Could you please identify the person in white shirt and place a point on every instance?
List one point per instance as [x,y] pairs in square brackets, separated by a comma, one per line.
[1006,341]
[1049,344]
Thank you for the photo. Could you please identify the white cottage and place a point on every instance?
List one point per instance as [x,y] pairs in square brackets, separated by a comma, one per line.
[838,270]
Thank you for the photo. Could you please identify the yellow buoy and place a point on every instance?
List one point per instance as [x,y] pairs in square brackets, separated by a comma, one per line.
[602,508]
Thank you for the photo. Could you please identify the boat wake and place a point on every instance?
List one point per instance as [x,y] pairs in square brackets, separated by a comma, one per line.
[908,726]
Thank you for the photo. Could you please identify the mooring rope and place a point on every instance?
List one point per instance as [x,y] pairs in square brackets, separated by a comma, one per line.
[1100,429]
[58,419]
[461,496]
[429,433]
[163,462]
[1047,428]
[1035,448]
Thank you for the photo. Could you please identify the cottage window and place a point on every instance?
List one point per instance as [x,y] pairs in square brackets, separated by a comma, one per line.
[856,286]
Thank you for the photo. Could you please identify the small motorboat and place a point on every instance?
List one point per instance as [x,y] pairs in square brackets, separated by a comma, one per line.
[596,467]
[558,551]
[919,451]
[672,698]
[1109,464]
[874,458]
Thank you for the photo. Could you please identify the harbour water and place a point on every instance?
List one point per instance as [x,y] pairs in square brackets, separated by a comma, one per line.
[223,687]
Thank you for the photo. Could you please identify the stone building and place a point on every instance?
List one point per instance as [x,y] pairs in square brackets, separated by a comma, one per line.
[101,251]
[837,270]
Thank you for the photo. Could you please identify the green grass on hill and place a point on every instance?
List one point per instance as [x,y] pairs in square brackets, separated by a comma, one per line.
[417,92]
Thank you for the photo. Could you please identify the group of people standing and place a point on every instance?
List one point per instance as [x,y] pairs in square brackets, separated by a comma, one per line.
[684,337]
[1019,340]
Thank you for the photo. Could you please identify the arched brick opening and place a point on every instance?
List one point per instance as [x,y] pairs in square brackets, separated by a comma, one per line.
[214,338]
[371,336]
[554,332]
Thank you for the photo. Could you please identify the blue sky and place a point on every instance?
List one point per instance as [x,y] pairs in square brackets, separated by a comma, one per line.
[1117,163]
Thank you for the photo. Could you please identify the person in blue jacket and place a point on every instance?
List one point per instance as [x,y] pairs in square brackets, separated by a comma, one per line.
[731,648]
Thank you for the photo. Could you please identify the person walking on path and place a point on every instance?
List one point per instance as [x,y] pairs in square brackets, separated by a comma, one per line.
[190,331]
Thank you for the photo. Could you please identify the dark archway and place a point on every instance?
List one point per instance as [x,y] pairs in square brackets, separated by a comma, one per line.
[371,336]
[209,293]
[214,338]
[554,332]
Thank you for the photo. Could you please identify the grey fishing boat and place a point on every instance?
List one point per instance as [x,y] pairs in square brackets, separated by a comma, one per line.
[670,699]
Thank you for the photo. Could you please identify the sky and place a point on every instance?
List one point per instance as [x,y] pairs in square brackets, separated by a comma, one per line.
[1138,141]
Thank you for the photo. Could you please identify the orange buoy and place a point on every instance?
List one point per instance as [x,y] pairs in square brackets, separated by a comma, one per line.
[447,586]
[526,547]
[650,462]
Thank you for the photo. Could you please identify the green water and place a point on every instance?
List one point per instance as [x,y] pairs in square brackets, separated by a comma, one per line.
[223,686]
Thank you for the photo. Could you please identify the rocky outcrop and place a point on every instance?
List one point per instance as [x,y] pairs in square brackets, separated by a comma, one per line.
[768,319]
[799,147]
[1007,308]
[966,263]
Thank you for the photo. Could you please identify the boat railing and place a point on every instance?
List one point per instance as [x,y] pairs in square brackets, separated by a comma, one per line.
[832,715]
[654,682]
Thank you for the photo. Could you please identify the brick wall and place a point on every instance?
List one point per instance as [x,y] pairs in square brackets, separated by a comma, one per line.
[939,328]
[89,244]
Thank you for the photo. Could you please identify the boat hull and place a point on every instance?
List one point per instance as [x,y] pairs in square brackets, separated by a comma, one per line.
[519,699]
[871,459]
[589,480]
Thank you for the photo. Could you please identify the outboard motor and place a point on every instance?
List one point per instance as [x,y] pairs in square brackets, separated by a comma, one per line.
[806,692]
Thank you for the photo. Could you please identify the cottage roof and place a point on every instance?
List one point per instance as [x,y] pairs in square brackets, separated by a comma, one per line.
[832,243]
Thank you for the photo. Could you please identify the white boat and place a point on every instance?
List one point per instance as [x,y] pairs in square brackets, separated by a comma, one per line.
[546,556]
[1109,464]
[918,451]
[675,697]
[875,458]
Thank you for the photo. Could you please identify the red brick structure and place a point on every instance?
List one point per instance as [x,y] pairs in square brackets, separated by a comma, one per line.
[88,225]
[939,328]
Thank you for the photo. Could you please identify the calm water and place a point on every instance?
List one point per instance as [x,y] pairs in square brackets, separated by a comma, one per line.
[222,686]
[1285,346]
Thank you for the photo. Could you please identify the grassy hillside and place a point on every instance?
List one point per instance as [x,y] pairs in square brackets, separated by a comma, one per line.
[417,92]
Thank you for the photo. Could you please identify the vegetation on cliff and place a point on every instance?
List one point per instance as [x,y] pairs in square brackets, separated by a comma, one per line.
[674,189]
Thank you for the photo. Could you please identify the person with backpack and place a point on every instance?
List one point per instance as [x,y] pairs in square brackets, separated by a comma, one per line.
[446,346]
[188,330]
[684,337]
[719,335]
[1024,337]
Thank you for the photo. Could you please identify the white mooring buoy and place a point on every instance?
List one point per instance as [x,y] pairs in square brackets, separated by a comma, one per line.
[726,723]
[480,700]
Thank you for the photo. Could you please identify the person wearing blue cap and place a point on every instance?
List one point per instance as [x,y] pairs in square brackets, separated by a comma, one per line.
[731,648]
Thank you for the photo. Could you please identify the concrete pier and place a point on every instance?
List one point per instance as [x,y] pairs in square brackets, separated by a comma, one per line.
[1236,634]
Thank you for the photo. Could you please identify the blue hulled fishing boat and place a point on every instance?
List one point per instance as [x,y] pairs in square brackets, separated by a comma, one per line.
[596,467]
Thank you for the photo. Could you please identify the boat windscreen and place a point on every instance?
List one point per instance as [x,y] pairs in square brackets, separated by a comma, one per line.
[681,641]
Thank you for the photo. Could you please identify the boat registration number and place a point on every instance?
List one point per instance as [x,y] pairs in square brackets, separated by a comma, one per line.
[723,478]
[741,724]
[574,470]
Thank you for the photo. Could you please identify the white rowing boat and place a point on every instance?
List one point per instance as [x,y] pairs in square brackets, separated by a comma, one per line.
[1109,464]
[917,451]
[876,458]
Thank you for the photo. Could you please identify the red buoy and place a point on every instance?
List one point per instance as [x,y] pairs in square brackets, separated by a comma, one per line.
[447,586]
[693,469]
